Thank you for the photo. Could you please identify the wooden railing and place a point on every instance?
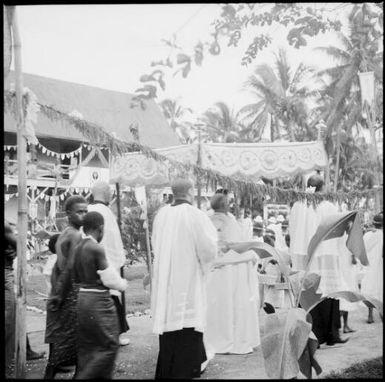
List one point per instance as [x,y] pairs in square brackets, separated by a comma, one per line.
[40,170]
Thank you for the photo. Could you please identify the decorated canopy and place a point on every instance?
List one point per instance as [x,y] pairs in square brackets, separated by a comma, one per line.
[249,161]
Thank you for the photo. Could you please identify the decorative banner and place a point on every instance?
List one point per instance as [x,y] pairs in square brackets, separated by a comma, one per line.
[59,155]
[251,160]
[367,87]
[87,176]
[269,160]
[140,195]
[10,147]
[137,170]
[33,210]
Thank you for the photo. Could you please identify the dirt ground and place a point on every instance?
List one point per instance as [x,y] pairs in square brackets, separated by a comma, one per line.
[138,359]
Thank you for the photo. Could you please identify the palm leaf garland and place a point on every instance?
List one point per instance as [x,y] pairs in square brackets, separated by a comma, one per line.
[96,133]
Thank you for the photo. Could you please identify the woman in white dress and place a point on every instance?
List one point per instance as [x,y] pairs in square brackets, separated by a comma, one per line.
[372,283]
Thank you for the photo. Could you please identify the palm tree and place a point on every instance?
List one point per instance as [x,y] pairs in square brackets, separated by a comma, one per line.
[280,96]
[221,123]
[359,53]
[175,114]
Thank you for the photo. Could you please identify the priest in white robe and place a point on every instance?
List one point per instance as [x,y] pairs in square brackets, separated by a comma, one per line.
[113,247]
[184,242]
[304,221]
[373,280]
[233,295]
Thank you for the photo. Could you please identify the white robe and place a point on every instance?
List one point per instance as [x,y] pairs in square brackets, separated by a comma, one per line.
[246,228]
[373,280]
[184,242]
[112,240]
[349,275]
[233,299]
[304,221]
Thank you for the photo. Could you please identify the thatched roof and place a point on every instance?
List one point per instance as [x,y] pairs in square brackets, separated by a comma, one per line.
[109,109]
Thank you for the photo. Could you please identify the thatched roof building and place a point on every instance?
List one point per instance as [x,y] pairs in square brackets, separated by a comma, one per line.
[109,109]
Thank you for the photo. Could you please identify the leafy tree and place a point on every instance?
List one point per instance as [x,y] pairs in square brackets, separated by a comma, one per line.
[175,113]
[221,123]
[281,96]
[342,108]
[301,22]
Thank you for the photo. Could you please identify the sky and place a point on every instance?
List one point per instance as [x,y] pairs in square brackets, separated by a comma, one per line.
[111,46]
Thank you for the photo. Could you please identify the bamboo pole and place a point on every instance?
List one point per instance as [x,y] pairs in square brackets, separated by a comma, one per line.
[22,217]
[337,170]
[148,244]
[370,119]
[199,163]
[120,229]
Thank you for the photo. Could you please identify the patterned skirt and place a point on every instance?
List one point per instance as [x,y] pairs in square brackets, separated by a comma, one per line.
[61,332]
[10,315]
[98,335]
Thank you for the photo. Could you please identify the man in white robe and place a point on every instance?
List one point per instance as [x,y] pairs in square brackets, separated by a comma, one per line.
[373,280]
[233,295]
[304,221]
[113,247]
[184,243]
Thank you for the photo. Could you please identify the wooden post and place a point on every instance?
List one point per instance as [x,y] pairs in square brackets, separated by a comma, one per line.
[371,118]
[148,244]
[337,169]
[199,163]
[120,229]
[22,214]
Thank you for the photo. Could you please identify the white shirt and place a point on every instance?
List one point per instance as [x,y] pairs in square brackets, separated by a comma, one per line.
[184,241]
[112,240]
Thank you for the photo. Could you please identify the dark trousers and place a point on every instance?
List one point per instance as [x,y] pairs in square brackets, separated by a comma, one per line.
[326,320]
[181,354]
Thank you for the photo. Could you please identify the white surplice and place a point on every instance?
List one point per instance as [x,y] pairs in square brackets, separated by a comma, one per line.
[233,299]
[349,275]
[184,241]
[112,240]
[373,280]
[304,221]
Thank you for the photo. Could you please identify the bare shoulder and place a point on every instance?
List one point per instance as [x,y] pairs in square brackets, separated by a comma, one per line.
[96,248]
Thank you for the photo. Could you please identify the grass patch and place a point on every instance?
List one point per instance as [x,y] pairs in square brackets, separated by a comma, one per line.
[137,298]
[370,369]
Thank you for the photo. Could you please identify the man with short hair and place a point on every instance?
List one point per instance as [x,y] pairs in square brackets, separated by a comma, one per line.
[97,318]
[184,242]
[113,246]
[61,305]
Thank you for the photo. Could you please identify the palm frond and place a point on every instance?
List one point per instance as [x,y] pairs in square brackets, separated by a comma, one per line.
[283,69]
[334,52]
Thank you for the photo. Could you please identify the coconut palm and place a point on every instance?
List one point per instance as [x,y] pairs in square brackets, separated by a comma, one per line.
[175,114]
[221,123]
[281,97]
[359,53]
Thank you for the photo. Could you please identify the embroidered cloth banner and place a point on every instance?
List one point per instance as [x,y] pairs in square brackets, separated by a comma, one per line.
[249,161]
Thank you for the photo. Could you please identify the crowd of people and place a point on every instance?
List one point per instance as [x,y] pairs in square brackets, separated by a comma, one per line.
[208,285]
